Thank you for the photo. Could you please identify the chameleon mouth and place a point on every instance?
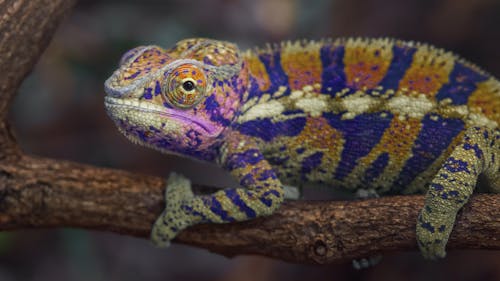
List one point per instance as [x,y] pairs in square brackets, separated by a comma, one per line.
[115,104]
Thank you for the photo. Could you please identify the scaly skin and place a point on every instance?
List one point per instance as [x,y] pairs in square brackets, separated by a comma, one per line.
[397,117]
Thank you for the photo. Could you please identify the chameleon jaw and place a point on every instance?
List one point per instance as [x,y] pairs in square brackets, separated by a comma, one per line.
[119,108]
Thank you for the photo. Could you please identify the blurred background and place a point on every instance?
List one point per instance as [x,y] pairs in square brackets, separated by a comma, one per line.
[59,113]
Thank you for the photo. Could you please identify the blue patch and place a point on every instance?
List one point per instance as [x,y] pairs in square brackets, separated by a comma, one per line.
[292,112]
[402,58]
[435,136]
[216,208]
[267,130]
[167,105]
[157,88]
[361,134]
[277,76]
[206,60]
[428,226]
[267,174]
[462,83]
[442,228]
[211,103]
[147,94]
[333,78]
[253,89]
[242,159]
[218,118]
[190,210]
[278,160]
[236,83]
[213,108]
[267,201]
[311,162]
[273,192]
[142,135]
[477,151]
[133,75]
[456,165]
[376,168]
[235,198]
[194,138]
[437,186]
[247,180]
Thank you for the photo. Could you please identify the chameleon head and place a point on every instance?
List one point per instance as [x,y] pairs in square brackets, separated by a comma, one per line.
[178,100]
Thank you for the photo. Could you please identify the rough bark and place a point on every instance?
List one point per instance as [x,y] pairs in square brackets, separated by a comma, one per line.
[40,192]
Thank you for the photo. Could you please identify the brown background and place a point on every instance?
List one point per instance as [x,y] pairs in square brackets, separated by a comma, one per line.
[59,113]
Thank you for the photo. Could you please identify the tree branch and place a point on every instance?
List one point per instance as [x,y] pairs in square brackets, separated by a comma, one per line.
[39,192]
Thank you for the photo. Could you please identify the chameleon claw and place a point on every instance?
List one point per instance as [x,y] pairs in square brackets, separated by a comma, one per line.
[292,192]
[365,263]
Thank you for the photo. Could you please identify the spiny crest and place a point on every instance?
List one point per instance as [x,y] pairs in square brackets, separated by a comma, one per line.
[383,43]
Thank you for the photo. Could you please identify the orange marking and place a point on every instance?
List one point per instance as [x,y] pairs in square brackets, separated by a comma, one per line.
[148,62]
[302,64]
[258,71]
[366,63]
[429,71]
[318,135]
[397,141]
[486,99]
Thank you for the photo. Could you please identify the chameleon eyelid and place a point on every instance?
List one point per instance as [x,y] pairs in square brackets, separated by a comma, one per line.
[174,90]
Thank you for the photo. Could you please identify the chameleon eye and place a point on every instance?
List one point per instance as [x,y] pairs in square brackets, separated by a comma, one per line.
[186,86]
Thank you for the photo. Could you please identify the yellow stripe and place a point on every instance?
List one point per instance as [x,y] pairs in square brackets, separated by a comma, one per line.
[397,141]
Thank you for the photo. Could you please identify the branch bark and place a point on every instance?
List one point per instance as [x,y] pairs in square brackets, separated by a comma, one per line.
[39,192]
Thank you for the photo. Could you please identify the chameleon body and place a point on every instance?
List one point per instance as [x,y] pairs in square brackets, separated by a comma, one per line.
[397,117]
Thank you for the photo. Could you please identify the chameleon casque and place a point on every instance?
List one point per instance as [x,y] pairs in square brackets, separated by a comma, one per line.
[393,116]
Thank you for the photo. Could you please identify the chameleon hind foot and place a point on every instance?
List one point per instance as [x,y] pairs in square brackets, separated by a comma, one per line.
[476,154]
[433,231]
[174,217]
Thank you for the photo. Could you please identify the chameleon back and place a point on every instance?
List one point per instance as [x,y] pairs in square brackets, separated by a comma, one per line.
[377,113]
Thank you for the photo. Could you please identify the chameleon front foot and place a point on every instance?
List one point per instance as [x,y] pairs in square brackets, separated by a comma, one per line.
[174,218]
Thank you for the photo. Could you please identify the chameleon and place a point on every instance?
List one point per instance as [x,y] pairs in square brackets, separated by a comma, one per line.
[392,116]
